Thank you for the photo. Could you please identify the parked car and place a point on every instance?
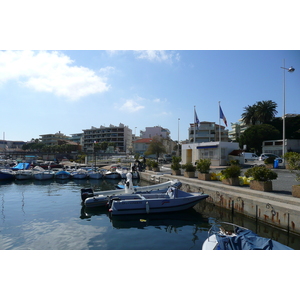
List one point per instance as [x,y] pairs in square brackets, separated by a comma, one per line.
[263,156]
[249,156]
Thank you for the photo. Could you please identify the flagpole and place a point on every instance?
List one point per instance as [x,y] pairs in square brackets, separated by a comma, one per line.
[219,123]
[219,135]
[194,125]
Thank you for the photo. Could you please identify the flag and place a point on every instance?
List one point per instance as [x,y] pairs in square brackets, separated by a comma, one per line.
[196,120]
[222,116]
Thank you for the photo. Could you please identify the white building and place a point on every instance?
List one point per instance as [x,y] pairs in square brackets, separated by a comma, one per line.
[217,152]
[151,132]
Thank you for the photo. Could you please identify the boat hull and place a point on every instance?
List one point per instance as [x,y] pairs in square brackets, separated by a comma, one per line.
[95,175]
[148,204]
[43,176]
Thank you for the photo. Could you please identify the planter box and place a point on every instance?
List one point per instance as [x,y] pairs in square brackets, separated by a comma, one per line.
[264,186]
[148,168]
[189,174]
[204,176]
[231,181]
[269,166]
[296,191]
[155,169]
[176,172]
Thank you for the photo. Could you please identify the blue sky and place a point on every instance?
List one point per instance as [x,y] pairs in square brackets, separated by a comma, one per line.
[49,91]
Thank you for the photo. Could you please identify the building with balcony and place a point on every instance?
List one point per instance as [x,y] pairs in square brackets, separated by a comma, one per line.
[207,132]
[237,129]
[120,135]
[52,139]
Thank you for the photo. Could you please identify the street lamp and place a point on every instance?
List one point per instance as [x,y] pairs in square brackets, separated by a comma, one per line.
[178,139]
[291,70]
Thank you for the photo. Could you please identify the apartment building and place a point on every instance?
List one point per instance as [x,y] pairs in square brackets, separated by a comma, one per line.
[120,135]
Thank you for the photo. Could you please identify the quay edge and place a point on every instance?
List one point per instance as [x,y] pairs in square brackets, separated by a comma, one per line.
[277,210]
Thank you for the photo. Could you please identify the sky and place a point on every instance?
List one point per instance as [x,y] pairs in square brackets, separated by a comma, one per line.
[45,92]
[142,64]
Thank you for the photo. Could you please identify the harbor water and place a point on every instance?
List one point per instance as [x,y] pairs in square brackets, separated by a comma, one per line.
[49,215]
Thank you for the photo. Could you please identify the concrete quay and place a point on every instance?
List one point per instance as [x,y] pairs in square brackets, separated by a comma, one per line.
[278,209]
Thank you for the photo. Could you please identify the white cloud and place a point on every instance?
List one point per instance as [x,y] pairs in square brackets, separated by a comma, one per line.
[158,55]
[131,106]
[51,72]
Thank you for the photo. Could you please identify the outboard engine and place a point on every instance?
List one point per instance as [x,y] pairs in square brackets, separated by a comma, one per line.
[86,193]
[177,185]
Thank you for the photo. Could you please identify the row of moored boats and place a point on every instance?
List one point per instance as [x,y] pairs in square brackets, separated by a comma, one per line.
[40,173]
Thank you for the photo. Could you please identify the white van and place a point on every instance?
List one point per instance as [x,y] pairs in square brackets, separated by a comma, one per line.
[249,156]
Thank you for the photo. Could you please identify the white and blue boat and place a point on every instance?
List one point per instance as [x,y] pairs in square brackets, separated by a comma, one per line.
[238,238]
[62,175]
[7,174]
[153,203]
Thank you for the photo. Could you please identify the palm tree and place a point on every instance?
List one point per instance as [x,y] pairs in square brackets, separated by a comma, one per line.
[266,111]
[260,113]
[249,117]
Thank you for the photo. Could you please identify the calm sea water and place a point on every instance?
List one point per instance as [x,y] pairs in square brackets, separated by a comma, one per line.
[49,215]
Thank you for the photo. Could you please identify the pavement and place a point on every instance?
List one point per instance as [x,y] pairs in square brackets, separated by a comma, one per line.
[281,186]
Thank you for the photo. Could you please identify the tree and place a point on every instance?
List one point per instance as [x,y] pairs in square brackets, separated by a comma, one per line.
[254,136]
[266,111]
[156,147]
[249,116]
[260,113]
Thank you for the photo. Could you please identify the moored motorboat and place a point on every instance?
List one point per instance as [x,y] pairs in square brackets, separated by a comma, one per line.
[41,174]
[171,201]
[238,238]
[95,174]
[79,174]
[7,174]
[24,174]
[129,189]
[62,174]
[112,174]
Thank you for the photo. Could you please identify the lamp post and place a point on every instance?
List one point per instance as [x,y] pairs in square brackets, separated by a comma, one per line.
[178,139]
[291,70]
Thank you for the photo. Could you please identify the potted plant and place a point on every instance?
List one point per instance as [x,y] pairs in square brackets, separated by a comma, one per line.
[231,175]
[175,166]
[148,164]
[293,164]
[269,162]
[155,167]
[262,177]
[203,167]
[189,170]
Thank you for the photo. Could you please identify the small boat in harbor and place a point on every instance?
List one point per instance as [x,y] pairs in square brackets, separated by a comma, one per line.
[153,203]
[129,189]
[79,174]
[24,174]
[7,174]
[44,174]
[62,175]
[95,173]
[112,174]
[238,238]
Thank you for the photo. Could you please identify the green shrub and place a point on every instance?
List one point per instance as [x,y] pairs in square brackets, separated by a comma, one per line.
[269,160]
[261,173]
[203,165]
[233,171]
[234,162]
[175,163]
[189,167]
[293,161]
[154,164]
